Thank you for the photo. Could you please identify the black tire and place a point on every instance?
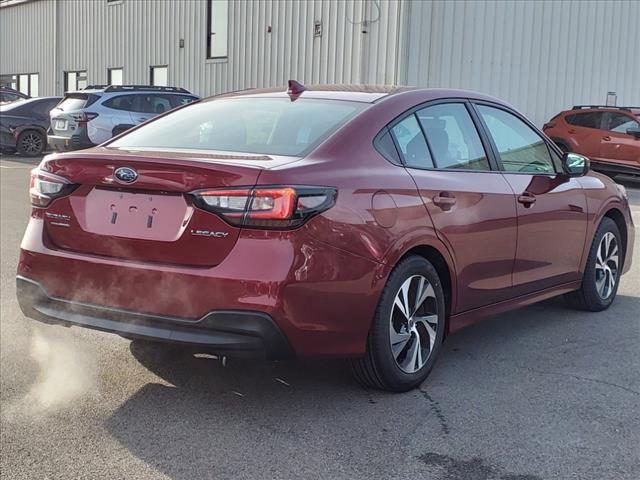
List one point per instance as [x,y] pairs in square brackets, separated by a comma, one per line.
[380,368]
[31,143]
[589,296]
[118,129]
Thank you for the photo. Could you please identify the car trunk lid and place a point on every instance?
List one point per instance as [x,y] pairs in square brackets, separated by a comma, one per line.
[153,217]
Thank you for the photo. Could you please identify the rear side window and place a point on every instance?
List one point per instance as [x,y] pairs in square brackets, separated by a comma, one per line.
[521,149]
[121,102]
[616,122]
[385,145]
[76,101]
[413,146]
[275,126]
[586,120]
[453,137]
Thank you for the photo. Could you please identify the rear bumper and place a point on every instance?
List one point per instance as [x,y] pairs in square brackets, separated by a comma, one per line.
[321,298]
[236,333]
[77,141]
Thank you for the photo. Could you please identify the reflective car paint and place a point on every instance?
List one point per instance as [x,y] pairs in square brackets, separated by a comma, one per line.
[321,282]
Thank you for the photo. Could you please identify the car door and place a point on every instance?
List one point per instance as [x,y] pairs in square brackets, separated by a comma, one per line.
[116,117]
[552,210]
[617,144]
[471,206]
[142,108]
[149,105]
[585,131]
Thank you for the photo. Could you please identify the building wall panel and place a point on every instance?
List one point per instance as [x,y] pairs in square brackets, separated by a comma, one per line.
[541,56]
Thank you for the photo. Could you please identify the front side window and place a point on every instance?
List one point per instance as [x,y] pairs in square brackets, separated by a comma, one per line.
[617,122]
[520,148]
[218,28]
[270,126]
[75,80]
[159,76]
[179,100]
[586,120]
[153,103]
[453,138]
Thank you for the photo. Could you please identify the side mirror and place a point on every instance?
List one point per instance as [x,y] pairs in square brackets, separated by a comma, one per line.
[635,131]
[575,165]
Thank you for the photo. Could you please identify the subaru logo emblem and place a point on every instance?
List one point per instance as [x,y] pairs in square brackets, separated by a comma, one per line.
[125,175]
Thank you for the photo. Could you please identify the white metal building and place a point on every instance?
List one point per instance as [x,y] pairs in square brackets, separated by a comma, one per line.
[541,55]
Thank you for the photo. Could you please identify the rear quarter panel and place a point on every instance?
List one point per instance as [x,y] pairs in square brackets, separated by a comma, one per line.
[379,213]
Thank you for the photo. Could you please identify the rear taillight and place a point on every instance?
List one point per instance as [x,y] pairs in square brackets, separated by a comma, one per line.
[45,187]
[84,117]
[547,126]
[271,207]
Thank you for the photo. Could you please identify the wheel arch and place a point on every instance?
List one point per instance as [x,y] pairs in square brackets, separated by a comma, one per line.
[617,216]
[25,128]
[443,264]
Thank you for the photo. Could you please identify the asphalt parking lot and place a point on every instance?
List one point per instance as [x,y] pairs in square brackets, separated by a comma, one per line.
[540,393]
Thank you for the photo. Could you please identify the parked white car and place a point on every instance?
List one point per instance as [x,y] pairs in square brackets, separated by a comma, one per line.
[93,115]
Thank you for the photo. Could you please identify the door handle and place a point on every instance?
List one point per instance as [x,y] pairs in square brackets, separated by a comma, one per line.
[444,200]
[606,138]
[527,199]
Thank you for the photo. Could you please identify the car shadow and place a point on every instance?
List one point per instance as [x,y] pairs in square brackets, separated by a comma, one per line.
[209,419]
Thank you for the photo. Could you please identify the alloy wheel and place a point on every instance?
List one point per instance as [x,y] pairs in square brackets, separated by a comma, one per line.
[413,324]
[31,143]
[607,265]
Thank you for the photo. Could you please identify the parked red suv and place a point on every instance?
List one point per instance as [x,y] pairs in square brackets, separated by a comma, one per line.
[609,136]
[359,222]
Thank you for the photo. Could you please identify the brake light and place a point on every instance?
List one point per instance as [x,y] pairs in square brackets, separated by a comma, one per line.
[45,187]
[547,126]
[84,117]
[271,207]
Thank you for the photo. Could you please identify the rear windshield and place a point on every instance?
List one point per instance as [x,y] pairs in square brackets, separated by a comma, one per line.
[13,105]
[272,126]
[75,101]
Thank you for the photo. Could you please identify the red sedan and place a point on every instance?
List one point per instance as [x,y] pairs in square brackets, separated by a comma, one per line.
[353,222]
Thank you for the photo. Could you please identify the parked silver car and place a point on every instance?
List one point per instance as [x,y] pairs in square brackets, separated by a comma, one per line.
[93,115]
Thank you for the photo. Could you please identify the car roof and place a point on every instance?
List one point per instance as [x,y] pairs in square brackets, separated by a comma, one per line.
[30,100]
[26,101]
[360,93]
[120,89]
[602,108]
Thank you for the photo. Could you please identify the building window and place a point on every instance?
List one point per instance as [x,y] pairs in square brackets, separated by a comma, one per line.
[159,76]
[75,80]
[217,28]
[26,83]
[114,76]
